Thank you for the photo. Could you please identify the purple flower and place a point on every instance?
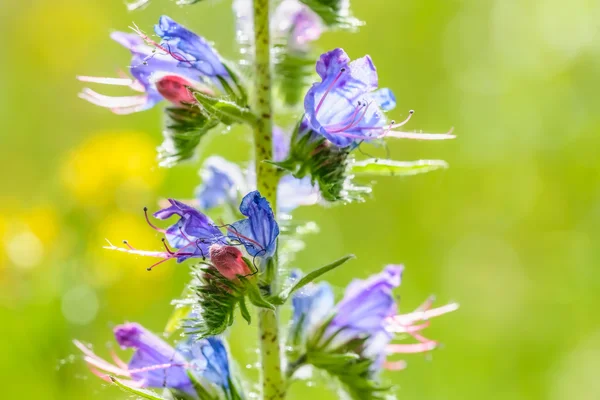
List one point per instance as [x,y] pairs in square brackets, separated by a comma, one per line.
[368,314]
[156,364]
[295,21]
[292,21]
[194,233]
[259,231]
[345,106]
[161,70]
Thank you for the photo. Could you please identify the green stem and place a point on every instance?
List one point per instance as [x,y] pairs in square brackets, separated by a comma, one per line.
[273,384]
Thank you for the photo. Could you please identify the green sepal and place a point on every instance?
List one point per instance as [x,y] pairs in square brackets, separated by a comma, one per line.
[311,276]
[383,167]
[244,311]
[326,164]
[242,95]
[227,112]
[184,128]
[216,298]
[143,393]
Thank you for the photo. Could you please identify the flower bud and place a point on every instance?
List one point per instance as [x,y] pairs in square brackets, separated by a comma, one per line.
[174,88]
[229,261]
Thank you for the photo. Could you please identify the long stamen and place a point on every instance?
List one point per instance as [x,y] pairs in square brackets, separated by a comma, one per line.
[239,235]
[411,348]
[422,136]
[353,123]
[342,70]
[152,43]
[156,228]
[158,366]
[394,124]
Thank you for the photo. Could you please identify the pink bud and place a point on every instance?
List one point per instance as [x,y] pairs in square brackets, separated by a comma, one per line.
[174,89]
[228,261]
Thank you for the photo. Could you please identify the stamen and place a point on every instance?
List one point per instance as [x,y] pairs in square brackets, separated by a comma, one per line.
[329,89]
[159,366]
[126,243]
[151,224]
[394,365]
[423,136]
[411,348]
[120,363]
[239,235]
[167,50]
[353,124]
[164,242]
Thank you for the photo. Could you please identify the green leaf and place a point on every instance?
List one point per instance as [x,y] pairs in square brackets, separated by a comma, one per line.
[382,167]
[145,394]
[226,111]
[311,276]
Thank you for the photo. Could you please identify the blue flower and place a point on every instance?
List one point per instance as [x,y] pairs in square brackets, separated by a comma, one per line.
[193,233]
[258,233]
[221,182]
[345,106]
[156,364]
[367,312]
[311,305]
[161,71]
[191,51]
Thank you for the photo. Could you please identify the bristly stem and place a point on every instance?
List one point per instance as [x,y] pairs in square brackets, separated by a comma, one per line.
[273,384]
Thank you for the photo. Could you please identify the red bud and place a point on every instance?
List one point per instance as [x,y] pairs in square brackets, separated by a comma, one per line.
[228,261]
[174,89]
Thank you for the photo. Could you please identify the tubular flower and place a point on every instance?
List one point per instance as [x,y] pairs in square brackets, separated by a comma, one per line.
[365,321]
[346,107]
[194,233]
[156,364]
[162,70]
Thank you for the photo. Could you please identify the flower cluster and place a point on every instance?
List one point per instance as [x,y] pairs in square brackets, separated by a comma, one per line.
[237,263]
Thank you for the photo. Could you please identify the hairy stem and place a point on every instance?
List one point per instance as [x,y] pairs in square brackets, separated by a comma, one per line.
[273,384]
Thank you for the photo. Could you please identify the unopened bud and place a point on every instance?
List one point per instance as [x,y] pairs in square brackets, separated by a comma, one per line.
[174,88]
[229,261]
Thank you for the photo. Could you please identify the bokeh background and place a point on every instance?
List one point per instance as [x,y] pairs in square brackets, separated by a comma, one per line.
[510,230]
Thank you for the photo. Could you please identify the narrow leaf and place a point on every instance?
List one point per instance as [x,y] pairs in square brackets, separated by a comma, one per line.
[244,311]
[203,394]
[308,278]
[145,394]
[381,167]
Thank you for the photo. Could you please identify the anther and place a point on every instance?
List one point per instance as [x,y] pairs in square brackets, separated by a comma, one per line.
[343,69]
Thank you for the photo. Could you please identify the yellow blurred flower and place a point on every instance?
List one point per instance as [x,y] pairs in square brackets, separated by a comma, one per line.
[111,163]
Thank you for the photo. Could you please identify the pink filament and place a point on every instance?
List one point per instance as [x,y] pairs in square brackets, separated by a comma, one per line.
[328,90]
[411,348]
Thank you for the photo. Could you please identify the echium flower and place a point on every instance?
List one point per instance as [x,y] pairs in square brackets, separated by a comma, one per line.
[194,364]
[194,233]
[361,329]
[163,70]
[347,107]
[222,283]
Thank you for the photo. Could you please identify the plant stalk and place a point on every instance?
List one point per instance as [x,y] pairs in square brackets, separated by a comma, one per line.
[273,384]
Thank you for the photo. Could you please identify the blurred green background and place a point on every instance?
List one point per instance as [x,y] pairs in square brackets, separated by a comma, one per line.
[510,230]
